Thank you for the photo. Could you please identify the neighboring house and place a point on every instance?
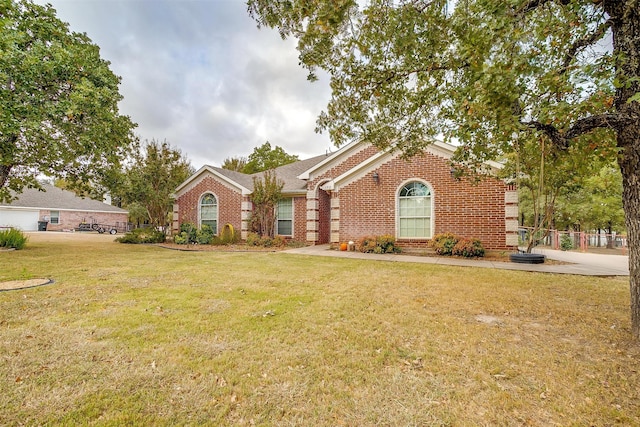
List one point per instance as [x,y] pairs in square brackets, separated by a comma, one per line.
[360,191]
[61,209]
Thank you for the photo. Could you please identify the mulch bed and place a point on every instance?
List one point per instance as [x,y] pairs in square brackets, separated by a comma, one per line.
[13,285]
[219,248]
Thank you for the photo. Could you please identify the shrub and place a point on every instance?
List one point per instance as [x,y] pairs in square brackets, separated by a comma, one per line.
[468,248]
[280,241]
[12,238]
[188,232]
[204,235]
[228,235]
[566,243]
[378,245]
[143,235]
[181,239]
[444,243]
[253,239]
[366,244]
[387,244]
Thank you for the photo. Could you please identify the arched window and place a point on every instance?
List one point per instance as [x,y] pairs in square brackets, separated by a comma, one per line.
[209,211]
[414,211]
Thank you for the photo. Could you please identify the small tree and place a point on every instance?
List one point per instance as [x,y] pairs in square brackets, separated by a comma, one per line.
[267,192]
[151,178]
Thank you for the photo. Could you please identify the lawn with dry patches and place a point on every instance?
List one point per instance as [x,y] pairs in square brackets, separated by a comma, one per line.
[140,335]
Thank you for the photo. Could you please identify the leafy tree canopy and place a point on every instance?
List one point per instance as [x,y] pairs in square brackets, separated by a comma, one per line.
[485,73]
[236,164]
[58,102]
[264,158]
[150,179]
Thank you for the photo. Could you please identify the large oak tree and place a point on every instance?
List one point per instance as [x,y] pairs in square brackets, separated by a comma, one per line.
[58,102]
[489,73]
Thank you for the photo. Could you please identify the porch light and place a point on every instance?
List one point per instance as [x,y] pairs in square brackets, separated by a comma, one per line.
[376,177]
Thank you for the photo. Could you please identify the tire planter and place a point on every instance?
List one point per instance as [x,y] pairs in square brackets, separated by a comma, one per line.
[524,258]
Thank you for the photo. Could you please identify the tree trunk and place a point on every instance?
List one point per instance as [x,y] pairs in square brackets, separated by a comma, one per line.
[625,18]
[629,162]
[610,239]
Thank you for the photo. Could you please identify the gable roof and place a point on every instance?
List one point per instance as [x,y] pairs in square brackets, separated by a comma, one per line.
[290,174]
[244,182]
[58,199]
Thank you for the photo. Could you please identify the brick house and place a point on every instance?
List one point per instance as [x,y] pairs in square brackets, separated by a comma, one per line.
[60,209]
[361,191]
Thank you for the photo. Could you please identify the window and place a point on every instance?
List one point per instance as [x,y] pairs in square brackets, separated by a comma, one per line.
[414,211]
[284,217]
[209,212]
[54,217]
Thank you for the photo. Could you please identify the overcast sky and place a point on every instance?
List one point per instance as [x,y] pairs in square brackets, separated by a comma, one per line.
[200,74]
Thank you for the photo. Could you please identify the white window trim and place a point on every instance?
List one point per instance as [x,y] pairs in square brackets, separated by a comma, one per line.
[217,210]
[433,214]
[51,217]
[293,215]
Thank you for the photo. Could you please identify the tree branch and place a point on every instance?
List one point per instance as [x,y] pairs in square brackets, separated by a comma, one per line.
[551,131]
[581,43]
[392,75]
[580,127]
[534,4]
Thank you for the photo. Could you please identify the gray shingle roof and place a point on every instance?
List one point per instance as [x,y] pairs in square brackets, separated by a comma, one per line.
[288,173]
[59,199]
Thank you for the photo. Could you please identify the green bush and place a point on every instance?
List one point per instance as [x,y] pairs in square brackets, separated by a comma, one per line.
[468,248]
[181,239]
[12,238]
[204,235]
[444,243]
[188,234]
[378,244]
[566,243]
[143,235]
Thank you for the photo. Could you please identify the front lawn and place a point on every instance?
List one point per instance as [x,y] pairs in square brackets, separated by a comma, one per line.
[141,335]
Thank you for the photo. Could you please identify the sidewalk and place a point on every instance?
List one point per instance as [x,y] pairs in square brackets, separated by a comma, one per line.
[582,264]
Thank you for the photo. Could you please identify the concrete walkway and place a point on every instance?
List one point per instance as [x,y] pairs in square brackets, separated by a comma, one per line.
[584,264]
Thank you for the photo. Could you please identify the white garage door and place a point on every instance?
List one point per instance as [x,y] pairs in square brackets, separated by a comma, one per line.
[25,220]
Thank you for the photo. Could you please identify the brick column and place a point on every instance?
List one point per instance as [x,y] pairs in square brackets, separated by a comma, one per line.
[246,209]
[335,218]
[313,217]
[511,216]
[175,224]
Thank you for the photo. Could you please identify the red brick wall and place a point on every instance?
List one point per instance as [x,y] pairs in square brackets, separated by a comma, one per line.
[69,220]
[229,203]
[347,164]
[299,219]
[460,207]
[324,213]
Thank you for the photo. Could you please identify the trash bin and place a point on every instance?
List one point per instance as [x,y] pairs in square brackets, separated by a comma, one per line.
[42,225]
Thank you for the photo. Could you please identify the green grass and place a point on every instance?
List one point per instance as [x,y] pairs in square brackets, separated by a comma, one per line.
[139,335]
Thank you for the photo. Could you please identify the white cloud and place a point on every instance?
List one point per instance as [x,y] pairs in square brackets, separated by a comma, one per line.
[201,75]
